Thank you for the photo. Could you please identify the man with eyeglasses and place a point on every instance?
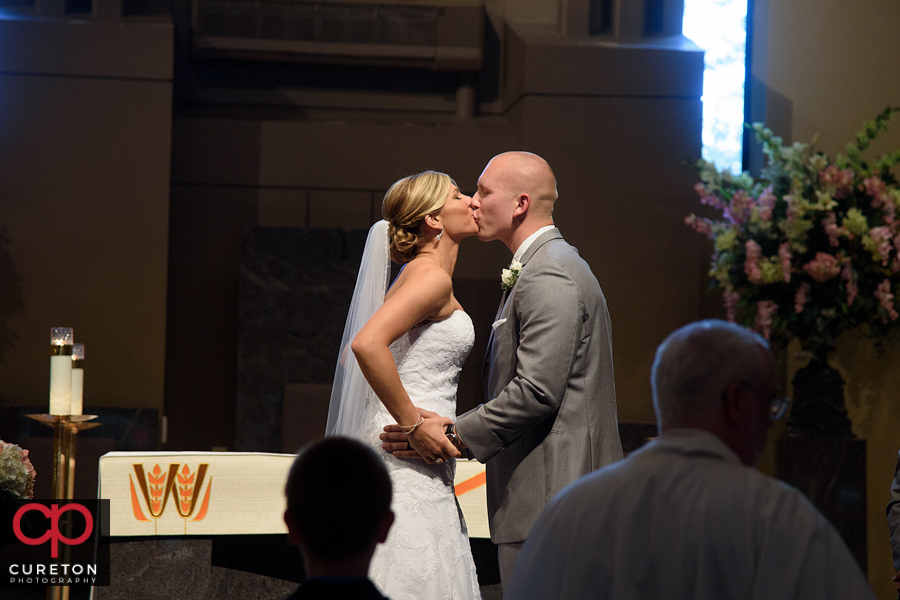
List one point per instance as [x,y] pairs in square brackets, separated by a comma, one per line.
[688,515]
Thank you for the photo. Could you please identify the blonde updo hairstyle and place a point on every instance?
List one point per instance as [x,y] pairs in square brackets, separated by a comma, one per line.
[405,206]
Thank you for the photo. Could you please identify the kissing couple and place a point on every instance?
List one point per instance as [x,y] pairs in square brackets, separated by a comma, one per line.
[549,414]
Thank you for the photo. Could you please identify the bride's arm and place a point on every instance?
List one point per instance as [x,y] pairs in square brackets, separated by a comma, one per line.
[423,293]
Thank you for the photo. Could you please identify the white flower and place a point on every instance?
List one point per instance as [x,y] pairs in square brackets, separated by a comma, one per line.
[16,471]
[508,277]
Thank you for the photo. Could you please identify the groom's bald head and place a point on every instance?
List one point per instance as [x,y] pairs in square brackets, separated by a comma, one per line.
[528,173]
[516,194]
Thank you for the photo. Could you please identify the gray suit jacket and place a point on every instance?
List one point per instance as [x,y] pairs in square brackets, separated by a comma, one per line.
[550,415]
[893,516]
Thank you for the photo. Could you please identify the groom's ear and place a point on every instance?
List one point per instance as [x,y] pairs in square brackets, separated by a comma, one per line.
[523,202]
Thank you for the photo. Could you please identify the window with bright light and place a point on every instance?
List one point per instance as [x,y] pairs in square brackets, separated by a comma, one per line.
[720,28]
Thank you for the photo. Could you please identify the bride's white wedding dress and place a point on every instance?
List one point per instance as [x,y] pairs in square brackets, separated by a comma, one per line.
[427,554]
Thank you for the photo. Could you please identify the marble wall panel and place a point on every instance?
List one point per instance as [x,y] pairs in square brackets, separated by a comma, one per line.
[295,289]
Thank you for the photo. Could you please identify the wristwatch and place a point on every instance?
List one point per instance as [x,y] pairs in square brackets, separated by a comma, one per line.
[450,432]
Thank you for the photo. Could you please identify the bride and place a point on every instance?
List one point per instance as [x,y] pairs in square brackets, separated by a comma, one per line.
[407,346]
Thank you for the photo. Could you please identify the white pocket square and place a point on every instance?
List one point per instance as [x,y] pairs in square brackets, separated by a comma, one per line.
[497,324]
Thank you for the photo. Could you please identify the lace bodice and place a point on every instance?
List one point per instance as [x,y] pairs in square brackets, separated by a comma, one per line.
[429,358]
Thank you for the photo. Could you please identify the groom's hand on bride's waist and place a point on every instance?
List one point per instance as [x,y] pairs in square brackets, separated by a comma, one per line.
[428,442]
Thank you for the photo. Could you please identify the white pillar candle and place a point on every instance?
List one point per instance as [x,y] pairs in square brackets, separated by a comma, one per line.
[77,379]
[60,370]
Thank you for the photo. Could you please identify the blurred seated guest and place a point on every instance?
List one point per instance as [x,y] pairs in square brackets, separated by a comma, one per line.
[338,510]
[688,515]
[893,519]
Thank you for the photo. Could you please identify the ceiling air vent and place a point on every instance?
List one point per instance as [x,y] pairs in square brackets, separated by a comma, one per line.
[438,34]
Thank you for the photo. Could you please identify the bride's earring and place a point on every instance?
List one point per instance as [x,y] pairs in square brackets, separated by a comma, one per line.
[437,238]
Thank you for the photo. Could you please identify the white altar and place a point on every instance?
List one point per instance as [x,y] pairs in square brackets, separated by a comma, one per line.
[226,493]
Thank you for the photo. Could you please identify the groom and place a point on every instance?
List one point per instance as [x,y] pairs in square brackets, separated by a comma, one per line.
[550,415]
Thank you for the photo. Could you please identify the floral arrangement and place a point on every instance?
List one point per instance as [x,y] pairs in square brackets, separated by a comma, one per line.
[16,472]
[811,248]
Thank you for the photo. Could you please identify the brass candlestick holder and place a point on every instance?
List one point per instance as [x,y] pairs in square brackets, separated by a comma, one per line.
[65,430]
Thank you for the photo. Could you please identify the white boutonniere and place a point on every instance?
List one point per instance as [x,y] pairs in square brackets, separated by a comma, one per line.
[508,277]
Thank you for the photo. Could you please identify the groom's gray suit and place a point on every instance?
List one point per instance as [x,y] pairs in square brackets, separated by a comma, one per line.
[550,415]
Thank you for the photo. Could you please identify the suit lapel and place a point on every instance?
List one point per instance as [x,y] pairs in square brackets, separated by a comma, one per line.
[502,304]
[487,354]
[545,237]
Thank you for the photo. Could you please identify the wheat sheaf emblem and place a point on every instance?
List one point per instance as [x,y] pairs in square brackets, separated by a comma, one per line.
[179,483]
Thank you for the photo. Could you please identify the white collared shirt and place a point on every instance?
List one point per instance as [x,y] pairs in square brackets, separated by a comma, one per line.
[523,247]
[682,518]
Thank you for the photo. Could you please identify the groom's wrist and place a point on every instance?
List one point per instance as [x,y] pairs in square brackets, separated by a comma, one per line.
[453,436]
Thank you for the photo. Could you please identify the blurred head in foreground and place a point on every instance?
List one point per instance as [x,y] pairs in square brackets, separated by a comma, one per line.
[338,506]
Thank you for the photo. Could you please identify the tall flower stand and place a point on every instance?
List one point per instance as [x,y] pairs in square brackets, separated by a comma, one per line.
[65,430]
[820,456]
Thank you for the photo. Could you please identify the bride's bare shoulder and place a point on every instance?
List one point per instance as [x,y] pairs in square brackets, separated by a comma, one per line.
[421,270]
[424,279]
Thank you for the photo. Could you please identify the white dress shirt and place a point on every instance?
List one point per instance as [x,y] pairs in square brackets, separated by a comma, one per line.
[679,519]
[523,247]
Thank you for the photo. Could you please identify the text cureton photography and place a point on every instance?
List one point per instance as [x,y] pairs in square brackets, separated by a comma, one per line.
[53,574]
[54,542]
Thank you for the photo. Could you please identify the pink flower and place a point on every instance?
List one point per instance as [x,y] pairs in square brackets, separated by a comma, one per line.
[754,250]
[844,183]
[784,253]
[828,175]
[874,186]
[699,225]
[852,292]
[887,205]
[842,180]
[886,299]
[852,288]
[731,301]
[800,297]
[829,224]
[751,264]
[823,267]
[764,311]
[766,204]
[882,237]
[709,199]
[738,210]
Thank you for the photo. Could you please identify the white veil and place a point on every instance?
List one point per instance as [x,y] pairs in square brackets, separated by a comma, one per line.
[348,395]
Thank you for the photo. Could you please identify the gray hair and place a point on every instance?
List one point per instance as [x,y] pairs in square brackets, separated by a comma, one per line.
[695,364]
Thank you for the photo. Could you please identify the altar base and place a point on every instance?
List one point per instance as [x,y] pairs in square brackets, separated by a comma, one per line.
[831,472]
